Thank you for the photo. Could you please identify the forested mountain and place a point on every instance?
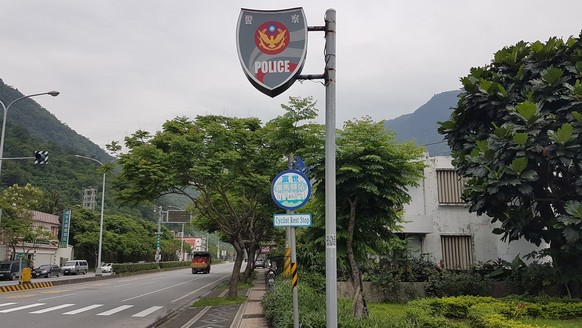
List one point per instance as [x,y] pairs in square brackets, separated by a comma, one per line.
[421,125]
[30,127]
[44,126]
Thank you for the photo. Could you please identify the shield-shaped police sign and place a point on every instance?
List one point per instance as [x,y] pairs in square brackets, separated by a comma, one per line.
[271,47]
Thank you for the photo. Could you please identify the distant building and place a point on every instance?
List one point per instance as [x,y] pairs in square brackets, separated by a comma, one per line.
[439,222]
[198,244]
[45,252]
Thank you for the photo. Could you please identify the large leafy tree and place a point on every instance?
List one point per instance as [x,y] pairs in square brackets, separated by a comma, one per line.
[219,163]
[516,137]
[16,226]
[373,176]
[295,134]
[126,238]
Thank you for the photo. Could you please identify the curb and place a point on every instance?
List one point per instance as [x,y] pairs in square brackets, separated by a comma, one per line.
[35,285]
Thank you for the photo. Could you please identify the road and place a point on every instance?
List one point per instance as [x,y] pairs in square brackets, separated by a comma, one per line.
[132,301]
[53,279]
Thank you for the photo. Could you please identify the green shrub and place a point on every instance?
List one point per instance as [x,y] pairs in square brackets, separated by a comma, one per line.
[450,283]
[137,267]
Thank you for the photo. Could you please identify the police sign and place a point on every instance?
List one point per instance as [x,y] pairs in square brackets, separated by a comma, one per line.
[271,47]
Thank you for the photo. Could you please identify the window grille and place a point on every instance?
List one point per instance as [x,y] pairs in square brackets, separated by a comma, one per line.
[450,187]
[457,252]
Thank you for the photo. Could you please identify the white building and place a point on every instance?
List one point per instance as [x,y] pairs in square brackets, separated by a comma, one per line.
[439,222]
[40,253]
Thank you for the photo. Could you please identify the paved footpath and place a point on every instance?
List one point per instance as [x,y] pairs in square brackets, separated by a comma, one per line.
[246,315]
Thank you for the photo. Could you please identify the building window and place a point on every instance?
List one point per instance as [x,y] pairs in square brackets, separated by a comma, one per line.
[457,252]
[450,187]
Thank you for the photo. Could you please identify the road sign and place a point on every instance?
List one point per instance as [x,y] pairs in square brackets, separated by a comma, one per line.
[178,216]
[40,157]
[292,220]
[272,45]
[291,189]
[19,255]
[65,225]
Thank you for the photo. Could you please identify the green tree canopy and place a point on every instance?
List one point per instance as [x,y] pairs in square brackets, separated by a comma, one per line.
[373,176]
[221,164]
[516,137]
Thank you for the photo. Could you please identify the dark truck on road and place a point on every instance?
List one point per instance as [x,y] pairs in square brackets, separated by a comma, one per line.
[201,262]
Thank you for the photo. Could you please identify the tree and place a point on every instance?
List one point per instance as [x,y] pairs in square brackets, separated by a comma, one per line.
[17,203]
[516,137]
[221,164]
[293,134]
[373,176]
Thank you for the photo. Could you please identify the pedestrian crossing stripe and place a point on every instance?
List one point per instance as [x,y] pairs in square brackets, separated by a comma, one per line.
[109,312]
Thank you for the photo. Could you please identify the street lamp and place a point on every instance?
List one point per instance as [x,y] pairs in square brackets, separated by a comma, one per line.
[6,108]
[98,268]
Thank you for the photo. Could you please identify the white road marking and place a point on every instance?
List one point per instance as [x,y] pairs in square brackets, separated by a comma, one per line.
[147,311]
[115,310]
[22,307]
[158,290]
[6,304]
[58,307]
[196,318]
[86,308]
[192,292]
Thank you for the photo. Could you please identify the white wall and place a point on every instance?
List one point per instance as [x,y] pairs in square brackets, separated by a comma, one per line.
[429,219]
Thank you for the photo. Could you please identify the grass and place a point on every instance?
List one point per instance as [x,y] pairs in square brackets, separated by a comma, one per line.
[239,286]
[398,311]
[219,301]
[387,310]
[575,323]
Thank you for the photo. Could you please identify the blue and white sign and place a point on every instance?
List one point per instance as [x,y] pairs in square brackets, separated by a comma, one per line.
[291,190]
[292,220]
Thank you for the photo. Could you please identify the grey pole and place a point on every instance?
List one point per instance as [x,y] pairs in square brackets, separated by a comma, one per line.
[182,245]
[160,215]
[6,108]
[293,276]
[330,172]
[98,271]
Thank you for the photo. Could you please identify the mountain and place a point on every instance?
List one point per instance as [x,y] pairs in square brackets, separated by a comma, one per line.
[43,125]
[421,125]
[30,127]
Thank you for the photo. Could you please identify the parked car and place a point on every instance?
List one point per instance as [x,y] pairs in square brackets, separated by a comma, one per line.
[10,270]
[260,262]
[107,268]
[75,267]
[46,270]
[201,262]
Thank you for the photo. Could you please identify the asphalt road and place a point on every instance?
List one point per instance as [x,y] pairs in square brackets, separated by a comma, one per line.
[61,277]
[132,301]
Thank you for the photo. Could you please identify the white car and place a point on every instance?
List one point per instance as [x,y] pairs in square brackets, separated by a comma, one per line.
[107,268]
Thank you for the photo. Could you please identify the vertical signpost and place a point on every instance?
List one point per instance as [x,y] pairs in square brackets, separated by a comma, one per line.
[65,225]
[291,190]
[272,46]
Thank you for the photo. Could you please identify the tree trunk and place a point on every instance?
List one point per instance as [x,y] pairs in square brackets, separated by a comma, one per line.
[234,278]
[359,306]
[252,249]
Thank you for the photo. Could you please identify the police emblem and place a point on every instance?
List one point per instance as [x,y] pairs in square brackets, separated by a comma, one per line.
[271,47]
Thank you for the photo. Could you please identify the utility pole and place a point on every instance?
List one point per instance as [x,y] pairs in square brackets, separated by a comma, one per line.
[160,216]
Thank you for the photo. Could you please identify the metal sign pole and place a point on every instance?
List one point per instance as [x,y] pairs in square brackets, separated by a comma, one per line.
[294,276]
[330,178]
[160,215]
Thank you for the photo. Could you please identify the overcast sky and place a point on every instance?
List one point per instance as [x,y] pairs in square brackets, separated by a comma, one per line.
[125,65]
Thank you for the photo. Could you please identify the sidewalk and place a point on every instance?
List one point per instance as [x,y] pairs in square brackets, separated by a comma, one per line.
[252,312]
[246,315]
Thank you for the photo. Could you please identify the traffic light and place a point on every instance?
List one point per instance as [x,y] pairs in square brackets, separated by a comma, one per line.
[40,157]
